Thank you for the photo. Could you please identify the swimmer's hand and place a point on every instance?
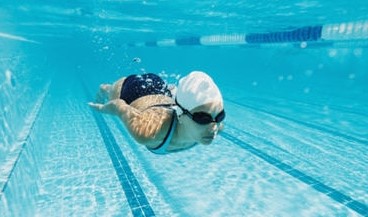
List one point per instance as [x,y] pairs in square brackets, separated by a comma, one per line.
[113,107]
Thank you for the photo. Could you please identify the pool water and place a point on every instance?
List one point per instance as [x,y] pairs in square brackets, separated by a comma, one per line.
[293,74]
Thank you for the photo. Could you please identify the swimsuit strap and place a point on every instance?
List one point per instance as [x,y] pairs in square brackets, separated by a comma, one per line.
[169,105]
[162,148]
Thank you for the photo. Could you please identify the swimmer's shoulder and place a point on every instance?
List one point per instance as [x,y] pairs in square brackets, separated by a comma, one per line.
[149,101]
[157,121]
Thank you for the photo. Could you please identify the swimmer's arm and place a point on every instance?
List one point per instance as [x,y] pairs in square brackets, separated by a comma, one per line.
[113,107]
[146,127]
[149,127]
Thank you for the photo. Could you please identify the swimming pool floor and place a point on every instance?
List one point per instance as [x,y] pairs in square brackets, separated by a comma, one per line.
[277,157]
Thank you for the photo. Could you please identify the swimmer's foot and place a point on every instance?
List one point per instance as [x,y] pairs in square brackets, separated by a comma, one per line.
[103,93]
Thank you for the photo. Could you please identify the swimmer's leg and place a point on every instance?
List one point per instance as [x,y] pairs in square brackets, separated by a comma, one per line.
[103,93]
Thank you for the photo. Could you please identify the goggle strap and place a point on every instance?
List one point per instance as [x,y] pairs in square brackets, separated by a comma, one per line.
[178,110]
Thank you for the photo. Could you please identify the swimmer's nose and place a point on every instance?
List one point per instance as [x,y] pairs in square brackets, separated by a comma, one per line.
[214,127]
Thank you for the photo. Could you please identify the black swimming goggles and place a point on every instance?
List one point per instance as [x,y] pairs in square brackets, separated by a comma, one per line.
[203,118]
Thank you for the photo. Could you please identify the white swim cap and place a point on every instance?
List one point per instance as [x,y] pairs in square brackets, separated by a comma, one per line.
[197,89]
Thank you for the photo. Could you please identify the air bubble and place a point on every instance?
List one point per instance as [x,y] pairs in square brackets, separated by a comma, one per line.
[358,52]
[136,60]
[309,73]
[332,53]
[304,44]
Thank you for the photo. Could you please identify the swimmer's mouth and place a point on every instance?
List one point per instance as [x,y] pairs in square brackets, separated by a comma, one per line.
[209,137]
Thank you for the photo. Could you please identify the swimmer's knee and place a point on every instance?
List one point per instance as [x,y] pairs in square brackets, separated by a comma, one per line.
[105,87]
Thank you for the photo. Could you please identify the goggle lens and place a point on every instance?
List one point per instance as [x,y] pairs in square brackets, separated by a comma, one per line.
[205,118]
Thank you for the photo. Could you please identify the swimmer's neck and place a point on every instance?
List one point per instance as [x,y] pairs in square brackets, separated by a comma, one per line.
[182,136]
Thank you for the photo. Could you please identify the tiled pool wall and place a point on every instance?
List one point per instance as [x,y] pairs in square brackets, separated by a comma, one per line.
[20,71]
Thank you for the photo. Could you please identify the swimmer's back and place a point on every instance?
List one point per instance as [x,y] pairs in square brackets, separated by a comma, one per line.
[153,123]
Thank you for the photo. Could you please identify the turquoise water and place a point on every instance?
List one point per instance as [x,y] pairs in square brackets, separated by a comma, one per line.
[293,74]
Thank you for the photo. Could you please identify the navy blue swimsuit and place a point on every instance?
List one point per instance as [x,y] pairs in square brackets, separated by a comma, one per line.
[136,86]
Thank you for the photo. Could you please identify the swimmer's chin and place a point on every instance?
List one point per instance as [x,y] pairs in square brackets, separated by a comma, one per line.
[207,140]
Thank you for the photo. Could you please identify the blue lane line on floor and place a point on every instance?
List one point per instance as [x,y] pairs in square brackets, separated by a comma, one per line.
[137,200]
[334,194]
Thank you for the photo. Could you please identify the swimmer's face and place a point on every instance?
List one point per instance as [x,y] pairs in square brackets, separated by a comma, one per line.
[206,133]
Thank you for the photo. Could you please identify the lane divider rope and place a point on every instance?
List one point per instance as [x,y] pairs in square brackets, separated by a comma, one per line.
[329,34]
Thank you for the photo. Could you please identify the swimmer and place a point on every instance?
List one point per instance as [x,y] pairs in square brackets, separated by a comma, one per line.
[159,119]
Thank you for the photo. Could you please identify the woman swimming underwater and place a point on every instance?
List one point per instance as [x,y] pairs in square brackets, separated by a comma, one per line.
[159,118]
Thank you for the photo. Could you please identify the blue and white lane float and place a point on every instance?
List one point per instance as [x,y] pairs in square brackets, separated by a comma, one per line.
[348,31]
